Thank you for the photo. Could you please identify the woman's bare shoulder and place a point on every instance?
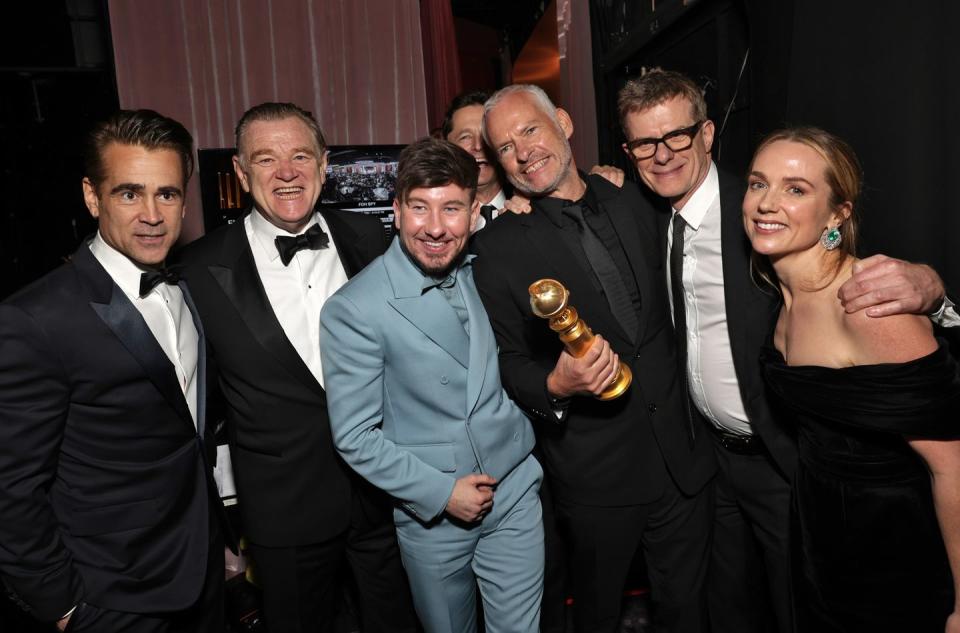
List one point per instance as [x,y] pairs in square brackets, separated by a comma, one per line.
[892,339]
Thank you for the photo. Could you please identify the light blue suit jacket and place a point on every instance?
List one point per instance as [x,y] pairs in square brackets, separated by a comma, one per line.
[414,402]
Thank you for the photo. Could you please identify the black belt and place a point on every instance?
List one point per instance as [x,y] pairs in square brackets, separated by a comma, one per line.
[739,444]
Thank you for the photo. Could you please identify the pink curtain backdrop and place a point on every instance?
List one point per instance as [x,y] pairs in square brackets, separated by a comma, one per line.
[441,60]
[356,64]
[577,94]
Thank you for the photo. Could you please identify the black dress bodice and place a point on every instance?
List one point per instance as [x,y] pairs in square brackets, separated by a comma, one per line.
[867,552]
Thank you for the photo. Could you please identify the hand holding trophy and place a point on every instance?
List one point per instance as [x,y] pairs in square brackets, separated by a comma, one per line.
[549,300]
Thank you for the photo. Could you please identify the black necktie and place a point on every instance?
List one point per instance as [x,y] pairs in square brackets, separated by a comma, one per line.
[607,273]
[680,310]
[486,211]
[151,279]
[313,239]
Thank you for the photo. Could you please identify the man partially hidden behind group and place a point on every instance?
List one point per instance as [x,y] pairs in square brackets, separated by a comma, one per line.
[109,517]
[260,284]
[417,407]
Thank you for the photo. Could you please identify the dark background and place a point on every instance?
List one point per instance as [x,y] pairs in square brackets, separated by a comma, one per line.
[881,74]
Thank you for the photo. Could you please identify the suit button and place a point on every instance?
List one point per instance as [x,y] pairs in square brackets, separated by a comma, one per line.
[444,380]
[637,355]
[652,408]
[516,436]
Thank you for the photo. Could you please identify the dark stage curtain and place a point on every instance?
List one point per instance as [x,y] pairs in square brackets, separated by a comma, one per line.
[441,62]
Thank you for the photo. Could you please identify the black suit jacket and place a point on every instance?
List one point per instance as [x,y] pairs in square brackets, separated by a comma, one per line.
[603,453]
[751,308]
[292,487]
[105,487]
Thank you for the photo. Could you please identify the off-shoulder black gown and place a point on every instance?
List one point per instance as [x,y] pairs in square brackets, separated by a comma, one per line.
[867,554]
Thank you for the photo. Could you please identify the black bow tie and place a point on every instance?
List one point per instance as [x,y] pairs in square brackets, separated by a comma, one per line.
[314,239]
[151,279]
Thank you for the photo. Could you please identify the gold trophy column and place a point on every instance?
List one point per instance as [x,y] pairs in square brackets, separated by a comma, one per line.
[548,300]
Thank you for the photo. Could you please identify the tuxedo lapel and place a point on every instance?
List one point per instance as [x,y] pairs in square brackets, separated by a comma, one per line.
[350,244]
[237,276]
[481,335]
[201,361]
[428,311]
[749,309]
[127,324]
[629,231]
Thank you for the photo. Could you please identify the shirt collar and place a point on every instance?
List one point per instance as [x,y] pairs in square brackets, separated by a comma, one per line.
[266,233]
[553,207]
[123,270]
[702,199]
[498,200]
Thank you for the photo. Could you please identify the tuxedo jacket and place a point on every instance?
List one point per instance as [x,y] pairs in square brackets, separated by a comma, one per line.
[752,306]
[418,402]
[106,486]
[292,488]
[611,453]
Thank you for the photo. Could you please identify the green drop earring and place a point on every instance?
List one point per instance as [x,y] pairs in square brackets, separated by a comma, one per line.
[831,238]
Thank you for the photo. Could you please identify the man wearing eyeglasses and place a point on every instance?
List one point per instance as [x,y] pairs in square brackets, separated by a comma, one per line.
[722,318]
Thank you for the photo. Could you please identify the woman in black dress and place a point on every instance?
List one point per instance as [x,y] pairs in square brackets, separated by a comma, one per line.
[876,402]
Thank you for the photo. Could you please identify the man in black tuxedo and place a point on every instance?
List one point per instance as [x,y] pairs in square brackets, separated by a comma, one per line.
[629,472]
[109,516]
[259,285]
[723,319]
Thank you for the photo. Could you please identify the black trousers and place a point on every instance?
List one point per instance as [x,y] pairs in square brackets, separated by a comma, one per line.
[205,616]
[674,532]
[302,585]
[748,584]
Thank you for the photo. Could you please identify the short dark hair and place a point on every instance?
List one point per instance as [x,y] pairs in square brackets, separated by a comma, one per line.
[462,100]
[656,86]
[145,128]
[432,162]
[273,111]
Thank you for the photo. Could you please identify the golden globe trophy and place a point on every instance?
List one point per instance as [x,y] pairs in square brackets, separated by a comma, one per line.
[548,300]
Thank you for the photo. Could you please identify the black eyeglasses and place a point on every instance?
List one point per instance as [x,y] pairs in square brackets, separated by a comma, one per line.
[676,141]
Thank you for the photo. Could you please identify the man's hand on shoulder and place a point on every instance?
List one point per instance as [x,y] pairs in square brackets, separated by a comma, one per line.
[518,204]
[588,375]
[614,174]
[472,497]
[882,286]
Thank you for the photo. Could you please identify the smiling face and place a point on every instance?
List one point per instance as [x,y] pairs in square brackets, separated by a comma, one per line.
[283,169]
[674,175]
[532,147]
[788,201]
[139,201]
[465,132]
[434,225]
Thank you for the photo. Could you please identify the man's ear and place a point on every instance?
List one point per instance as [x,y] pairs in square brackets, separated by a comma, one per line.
[90,198]
[474,213]
[396,213]
[323,167]
[241,175]
[566,123]
[708,130]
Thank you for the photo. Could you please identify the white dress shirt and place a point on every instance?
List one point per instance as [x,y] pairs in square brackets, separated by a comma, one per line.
[712,376]
[165,312]
[498,201]
[297,291]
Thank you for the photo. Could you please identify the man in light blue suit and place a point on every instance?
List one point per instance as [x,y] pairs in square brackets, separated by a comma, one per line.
[417,408]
